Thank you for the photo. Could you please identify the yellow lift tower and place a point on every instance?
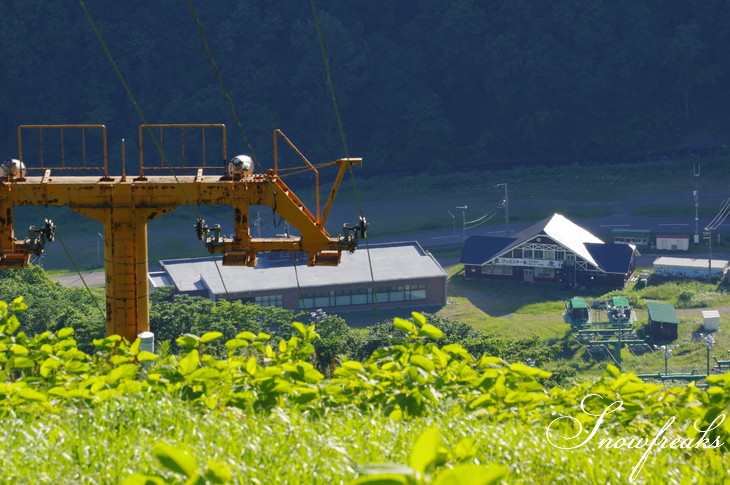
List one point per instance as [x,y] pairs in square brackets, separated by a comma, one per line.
[125,204]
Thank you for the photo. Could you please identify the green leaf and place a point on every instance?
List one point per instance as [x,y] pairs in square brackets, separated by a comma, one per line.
[470,474]
[426,449]
[612,371]
[142,479]
[404,326]
[382,479]
[31,395]
[174,459]
[423,362]
[189,363]
[431,332]
[20,363]
[146,356]
[210,336]
[126,371]
[188,341]
[526,370]
[218,472]
[18,305]
[65,332]
[18,349]
[300,328]
[419,318]
[134,348]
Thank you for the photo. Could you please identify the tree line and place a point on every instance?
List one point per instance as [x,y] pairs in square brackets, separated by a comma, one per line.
[425,85]
[52,307]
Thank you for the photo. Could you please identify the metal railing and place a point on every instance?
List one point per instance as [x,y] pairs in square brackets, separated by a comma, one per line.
[42,164]
[191,163]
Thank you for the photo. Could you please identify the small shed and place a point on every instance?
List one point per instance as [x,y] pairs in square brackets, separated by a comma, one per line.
[667,266]
[637,237]
[663,322]
[711,319]
[672,243]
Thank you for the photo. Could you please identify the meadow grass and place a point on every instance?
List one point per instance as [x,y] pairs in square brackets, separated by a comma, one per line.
[112,440]
[513,310]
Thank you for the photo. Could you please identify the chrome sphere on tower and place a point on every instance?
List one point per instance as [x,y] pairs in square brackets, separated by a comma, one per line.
[12,168]
[240,165]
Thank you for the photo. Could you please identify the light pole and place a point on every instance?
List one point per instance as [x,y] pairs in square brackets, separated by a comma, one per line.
[463,221]
[505,204]
[709,343]
[696,195]
[667,355]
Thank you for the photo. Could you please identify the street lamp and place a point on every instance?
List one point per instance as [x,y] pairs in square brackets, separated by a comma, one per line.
[505,204]
[709,343]
[667,355]
[463,221]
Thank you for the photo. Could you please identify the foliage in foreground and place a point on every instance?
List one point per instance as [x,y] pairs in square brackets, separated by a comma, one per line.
[410,386]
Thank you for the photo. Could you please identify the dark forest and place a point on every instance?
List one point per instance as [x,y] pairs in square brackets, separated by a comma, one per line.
[420,86]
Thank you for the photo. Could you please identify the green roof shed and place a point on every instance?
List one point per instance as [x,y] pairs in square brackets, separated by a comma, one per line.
[663,321]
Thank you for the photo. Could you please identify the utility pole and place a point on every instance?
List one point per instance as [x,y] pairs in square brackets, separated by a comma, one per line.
[463,221]
[505,204]
[714,224]
[697,201]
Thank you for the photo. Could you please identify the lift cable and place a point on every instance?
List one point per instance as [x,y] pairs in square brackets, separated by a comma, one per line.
[589,352]
[638,358]
[156,142]
[63,245]
[340,126]
[482,220]
[234,113]
[720,217]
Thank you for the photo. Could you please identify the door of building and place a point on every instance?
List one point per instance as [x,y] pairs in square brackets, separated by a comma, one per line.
[527,275]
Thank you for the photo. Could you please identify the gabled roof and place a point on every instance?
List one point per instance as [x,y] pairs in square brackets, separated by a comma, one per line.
[564,232]
[612,258]
[662,312]
[480,249]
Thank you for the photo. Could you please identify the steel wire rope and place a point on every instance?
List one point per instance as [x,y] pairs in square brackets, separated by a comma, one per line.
[234,113]
[63,245]
[155,141]
[605,347]
[491,216]
[340,126]
[638,358]
[479,219]
[588,352]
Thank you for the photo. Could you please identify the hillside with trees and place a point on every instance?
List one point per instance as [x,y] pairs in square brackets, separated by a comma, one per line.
[420,86]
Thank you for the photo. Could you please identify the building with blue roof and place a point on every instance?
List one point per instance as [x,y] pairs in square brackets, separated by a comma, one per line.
[552,250]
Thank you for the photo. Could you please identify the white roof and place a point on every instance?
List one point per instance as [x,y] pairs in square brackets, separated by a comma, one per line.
[390,262]
[690,262]
[572,236]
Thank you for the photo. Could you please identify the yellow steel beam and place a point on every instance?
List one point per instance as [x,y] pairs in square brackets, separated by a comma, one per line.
[125,207]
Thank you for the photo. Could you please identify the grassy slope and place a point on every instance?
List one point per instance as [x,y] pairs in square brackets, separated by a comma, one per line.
[509,310]
[109,442]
